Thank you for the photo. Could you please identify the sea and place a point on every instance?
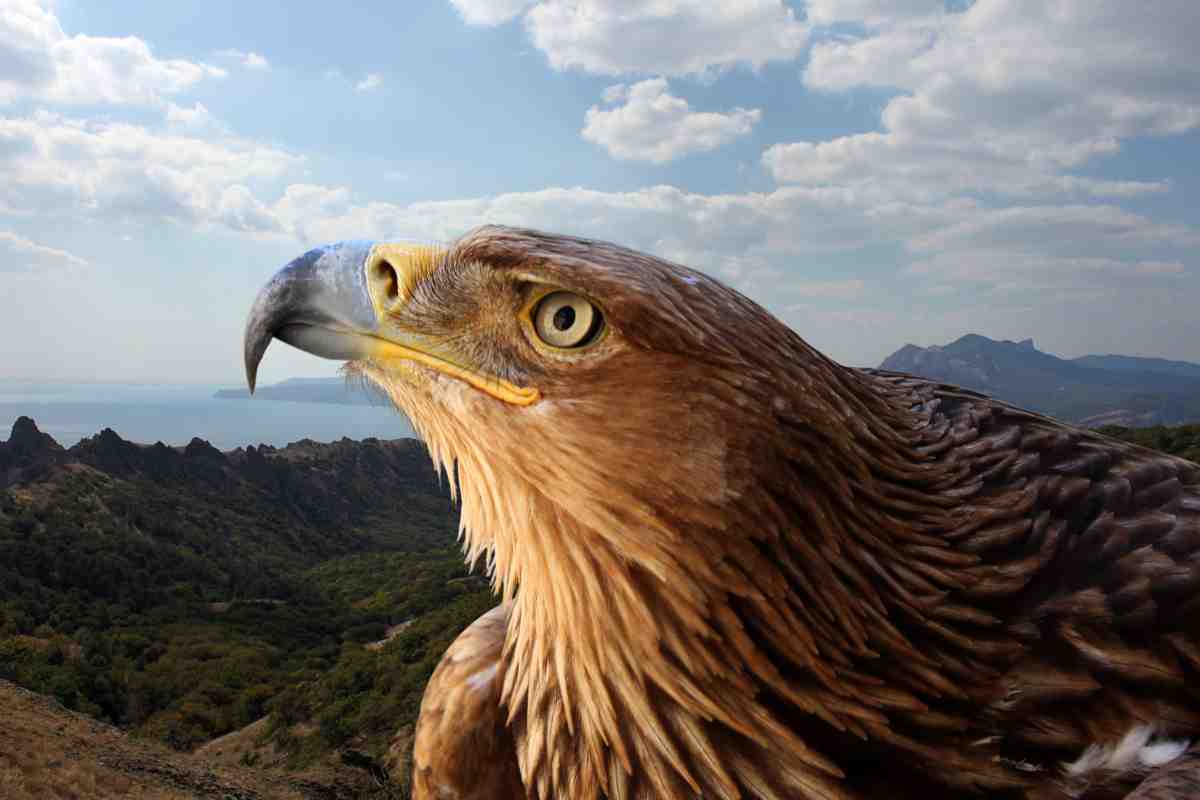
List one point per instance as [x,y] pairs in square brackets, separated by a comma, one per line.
[174,414]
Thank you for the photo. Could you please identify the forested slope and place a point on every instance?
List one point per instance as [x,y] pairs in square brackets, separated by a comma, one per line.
[178,592]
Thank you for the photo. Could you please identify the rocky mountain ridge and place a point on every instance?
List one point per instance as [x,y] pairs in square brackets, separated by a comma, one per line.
[353,479]
[1090,390]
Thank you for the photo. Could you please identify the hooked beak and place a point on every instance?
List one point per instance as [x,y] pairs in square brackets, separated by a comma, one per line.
[333,302]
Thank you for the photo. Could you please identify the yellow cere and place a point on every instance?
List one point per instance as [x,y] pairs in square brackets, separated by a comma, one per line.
[411,264]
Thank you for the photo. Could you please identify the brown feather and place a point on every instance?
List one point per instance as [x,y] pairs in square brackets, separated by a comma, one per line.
[462,748]
[738,569]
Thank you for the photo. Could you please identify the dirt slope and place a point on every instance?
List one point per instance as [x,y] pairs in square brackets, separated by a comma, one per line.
[48,752]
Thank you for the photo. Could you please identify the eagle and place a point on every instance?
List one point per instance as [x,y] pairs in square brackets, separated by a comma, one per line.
[729,567]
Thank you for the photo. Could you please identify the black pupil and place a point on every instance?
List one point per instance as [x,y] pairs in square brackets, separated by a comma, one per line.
[564,318]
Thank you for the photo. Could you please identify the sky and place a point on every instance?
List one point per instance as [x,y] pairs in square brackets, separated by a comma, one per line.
[874,172]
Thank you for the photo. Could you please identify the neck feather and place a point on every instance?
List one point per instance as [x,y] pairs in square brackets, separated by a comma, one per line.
[702,649]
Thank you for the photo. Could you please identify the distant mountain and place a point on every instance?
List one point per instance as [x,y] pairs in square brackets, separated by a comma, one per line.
[1138,364]
[1091,390]
[312,390]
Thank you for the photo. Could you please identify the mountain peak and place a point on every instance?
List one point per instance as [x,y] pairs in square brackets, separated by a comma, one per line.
[978,341]
[972,339]
[27,450]
[202,448]
[27,440]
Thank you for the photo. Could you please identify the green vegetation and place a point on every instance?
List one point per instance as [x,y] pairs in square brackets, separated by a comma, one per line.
[1179,440]
[183,597]
[366,696]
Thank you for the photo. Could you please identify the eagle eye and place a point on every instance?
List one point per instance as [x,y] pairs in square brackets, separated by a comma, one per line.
[566,320]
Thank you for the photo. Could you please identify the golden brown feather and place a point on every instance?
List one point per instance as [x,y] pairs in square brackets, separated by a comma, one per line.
[736,569]
[462,749]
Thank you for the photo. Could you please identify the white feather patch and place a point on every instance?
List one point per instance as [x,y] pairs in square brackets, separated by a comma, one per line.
[1138,749]
[481,680]
[1155,755]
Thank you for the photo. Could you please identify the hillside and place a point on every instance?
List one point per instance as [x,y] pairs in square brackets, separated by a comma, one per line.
[47,751]
[1091,390]
[182,594]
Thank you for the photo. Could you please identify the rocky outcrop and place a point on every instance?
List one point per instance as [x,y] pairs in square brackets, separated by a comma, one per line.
[28,453]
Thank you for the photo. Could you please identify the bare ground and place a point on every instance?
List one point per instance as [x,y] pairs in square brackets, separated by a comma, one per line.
[48,752]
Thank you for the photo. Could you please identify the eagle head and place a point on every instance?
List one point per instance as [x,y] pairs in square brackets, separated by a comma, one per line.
[633,398]
[627,437]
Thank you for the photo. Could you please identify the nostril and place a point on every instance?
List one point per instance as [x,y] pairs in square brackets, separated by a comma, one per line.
[387,279]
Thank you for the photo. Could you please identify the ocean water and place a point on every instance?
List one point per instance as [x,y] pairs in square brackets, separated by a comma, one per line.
[173,414]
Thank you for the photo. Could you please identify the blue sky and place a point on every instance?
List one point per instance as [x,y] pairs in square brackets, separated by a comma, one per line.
[875,172]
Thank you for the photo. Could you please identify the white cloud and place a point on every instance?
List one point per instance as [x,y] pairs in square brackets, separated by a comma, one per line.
[976,173]
[190,169]
[1003,267]
[57,166]
[1082,248]
[195,119]
[824,289]
[654,125]
[27,35]
[303,208]
[249,60]
[18,254]
[756,242]
[490,12]
[615,94]
[369,83]
[662,37]
[872,12]
[911,165]
[38,60]
[843,63]
[1008,97]
[1082,277]
[1077,229]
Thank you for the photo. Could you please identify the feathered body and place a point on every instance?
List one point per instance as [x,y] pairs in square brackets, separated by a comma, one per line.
[735,569]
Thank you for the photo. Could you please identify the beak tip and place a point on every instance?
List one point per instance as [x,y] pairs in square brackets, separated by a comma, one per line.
[258,336]
[253,359]
[324,281]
